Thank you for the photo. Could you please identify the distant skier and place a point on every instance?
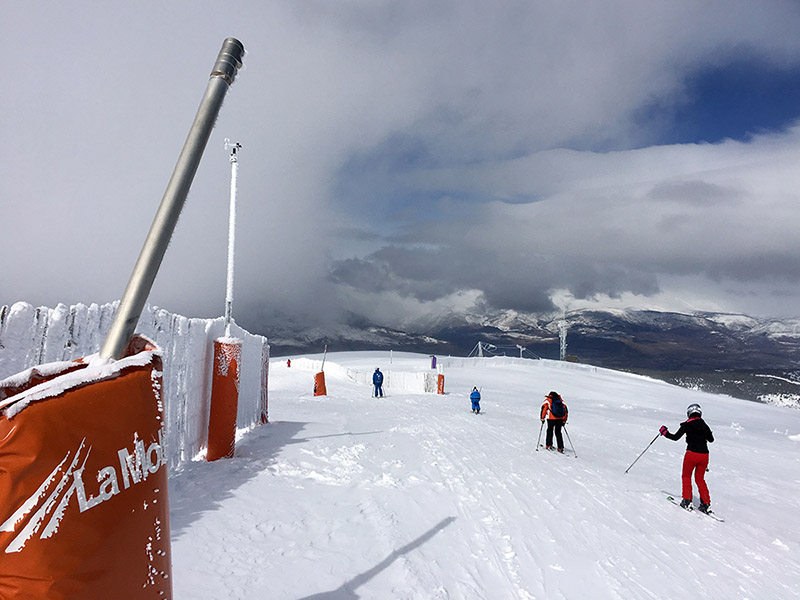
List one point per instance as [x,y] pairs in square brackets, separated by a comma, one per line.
[475,396]
[289,362]
[377,381]
[698,434]
[555,411]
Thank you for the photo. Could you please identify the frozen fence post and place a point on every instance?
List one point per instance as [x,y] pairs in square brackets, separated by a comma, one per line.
[144,272]
[227,351]
[234,147]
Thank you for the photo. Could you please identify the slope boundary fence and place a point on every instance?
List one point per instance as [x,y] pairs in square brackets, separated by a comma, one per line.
[32,336]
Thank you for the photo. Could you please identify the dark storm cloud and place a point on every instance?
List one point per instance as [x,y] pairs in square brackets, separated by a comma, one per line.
[758,266]
[505,280]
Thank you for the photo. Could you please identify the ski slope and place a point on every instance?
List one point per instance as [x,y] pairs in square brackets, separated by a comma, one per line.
[414,497]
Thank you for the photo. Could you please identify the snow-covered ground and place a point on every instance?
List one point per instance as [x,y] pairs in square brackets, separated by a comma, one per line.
[413,496]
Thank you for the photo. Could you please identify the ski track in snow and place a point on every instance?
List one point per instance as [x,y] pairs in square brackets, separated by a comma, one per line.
[414,497]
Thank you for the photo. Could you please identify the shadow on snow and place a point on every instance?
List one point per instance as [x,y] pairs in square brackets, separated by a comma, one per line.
[347,591]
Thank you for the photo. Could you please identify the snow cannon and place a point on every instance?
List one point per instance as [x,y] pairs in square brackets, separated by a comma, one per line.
[144,272]
[84,510]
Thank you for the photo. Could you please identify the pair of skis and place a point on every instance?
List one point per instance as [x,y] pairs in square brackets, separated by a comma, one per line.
[553,449]
[691,509]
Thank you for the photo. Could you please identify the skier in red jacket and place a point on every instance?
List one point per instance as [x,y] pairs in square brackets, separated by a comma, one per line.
[555,411]
[698,434]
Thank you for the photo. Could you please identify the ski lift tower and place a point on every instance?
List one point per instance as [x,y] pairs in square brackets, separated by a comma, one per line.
[562,337]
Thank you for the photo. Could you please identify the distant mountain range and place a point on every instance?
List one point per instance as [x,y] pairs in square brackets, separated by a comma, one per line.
[745,357]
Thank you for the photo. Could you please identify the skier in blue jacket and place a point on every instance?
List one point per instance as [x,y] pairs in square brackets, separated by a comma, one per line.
[475,396]
[377,381]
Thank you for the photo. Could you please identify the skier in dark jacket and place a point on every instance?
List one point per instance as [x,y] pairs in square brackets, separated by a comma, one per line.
[555,411]
[475,396]
[698,434]
[377,381]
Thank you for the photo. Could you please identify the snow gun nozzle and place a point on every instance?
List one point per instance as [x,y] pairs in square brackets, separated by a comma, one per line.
[144,272]
[229,60]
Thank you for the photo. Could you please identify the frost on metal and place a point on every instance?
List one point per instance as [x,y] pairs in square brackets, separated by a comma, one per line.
[229,350]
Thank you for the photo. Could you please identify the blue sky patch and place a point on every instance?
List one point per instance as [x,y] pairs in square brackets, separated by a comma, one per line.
[735,100]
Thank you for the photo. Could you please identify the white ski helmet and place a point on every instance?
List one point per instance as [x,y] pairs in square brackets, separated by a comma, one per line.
[694,409]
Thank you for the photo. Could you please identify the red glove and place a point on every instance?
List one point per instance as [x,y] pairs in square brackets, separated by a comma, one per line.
[664,430]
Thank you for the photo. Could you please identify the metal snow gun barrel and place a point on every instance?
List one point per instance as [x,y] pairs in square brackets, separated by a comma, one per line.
[84,507]
[144,272]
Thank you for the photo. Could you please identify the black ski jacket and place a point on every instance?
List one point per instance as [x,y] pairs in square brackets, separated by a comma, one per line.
[697,433]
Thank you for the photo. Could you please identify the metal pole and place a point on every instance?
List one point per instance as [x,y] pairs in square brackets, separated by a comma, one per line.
[570,440]
[643,451]
[234,148]
[538,441]
[144,272]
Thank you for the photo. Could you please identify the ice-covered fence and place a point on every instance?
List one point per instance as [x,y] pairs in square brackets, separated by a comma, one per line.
[407,381]
[31,336]
[486,361]
[503,361]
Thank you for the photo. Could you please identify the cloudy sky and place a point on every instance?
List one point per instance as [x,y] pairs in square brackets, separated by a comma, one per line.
[402,158]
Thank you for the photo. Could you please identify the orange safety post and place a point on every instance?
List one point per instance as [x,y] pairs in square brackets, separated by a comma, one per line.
[84,507]
[224,398]
[319,384]
[440,384]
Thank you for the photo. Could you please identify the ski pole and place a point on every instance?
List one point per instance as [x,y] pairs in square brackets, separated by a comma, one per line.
[570,440]
[643,451]
[538,441]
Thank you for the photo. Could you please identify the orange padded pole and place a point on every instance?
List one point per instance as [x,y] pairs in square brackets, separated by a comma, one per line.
[319,384]
[84,510]
[440,384]
[224,398]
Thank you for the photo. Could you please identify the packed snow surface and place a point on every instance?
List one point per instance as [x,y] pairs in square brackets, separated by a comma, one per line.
[413,496]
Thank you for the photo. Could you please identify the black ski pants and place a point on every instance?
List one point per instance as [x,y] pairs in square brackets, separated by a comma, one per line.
[554,426]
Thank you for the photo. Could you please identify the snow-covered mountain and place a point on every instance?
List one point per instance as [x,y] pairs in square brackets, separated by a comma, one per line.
[705,331]
[346,497]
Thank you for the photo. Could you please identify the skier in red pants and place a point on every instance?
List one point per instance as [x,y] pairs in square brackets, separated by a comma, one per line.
[695,460]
